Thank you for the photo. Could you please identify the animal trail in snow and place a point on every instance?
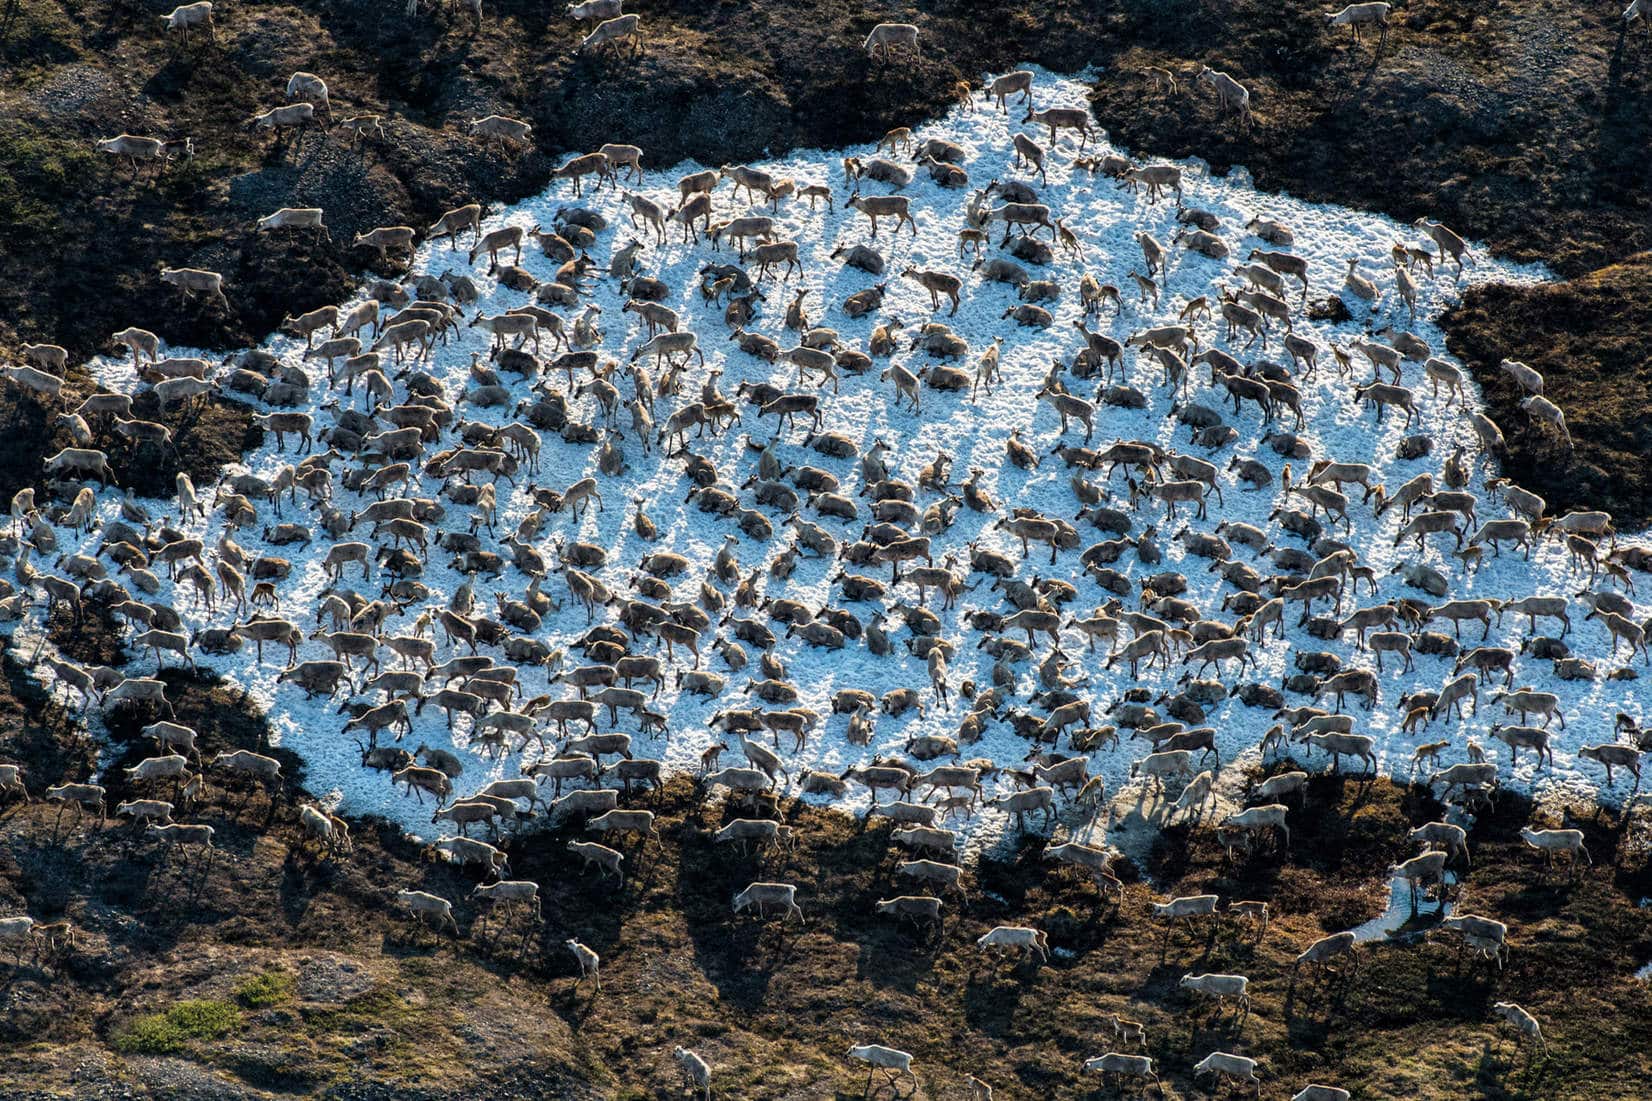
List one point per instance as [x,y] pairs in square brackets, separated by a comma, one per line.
[1005,442]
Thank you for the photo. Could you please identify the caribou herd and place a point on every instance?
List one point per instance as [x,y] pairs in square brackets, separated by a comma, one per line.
[493,523]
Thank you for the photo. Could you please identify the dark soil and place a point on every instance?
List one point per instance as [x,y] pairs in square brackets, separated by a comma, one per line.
[1588,338]
[319,988]
[1526,127]
[206,436]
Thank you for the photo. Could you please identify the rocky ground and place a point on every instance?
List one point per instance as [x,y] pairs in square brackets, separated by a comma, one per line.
[1582,335]
[1524,126]
[276,972]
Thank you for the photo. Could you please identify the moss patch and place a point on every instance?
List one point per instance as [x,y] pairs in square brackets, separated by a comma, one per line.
[36,173]
[265,989]
[171,1031]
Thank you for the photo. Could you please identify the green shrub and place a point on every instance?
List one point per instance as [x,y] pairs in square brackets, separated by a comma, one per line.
[168,1032]
[264,990]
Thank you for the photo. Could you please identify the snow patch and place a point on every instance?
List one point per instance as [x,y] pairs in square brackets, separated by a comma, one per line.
[1399,911]
[1105,217]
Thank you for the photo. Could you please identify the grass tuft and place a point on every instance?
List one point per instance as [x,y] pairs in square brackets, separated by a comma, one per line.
[170,1032]
[264,990]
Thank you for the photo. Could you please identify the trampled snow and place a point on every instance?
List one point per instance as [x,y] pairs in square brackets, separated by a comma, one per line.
[1105,217]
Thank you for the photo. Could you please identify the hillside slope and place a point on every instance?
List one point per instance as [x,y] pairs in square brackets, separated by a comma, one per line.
[1525,128]
[274,971]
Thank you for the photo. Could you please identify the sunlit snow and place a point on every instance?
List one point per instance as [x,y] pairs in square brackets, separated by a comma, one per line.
[1105,217]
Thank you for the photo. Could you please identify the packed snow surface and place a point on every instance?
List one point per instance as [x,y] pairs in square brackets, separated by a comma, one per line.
[1106,218]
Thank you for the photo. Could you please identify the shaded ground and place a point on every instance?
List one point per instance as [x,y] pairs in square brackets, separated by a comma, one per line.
[1588,338]
[271,970]
[1526,127]
[205,437]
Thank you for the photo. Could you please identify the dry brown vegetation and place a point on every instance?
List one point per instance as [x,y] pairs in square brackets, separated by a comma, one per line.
[271,970]
[1588,337]
[1524,126]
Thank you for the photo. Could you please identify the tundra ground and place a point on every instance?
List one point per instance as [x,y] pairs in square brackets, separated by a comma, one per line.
[275,971]
[1525,127]
[272,971]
